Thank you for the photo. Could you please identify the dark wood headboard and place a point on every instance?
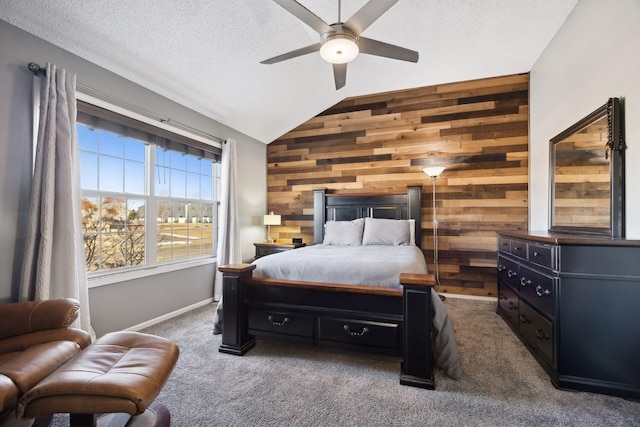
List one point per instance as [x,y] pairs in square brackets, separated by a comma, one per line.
[345,207]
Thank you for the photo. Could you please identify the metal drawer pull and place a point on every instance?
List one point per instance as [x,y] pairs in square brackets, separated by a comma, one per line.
[278,323]
[524,281]
[540,292]
[501,267]
[512,306]
[354,333]
[511,273]
[524,319]
[541,335]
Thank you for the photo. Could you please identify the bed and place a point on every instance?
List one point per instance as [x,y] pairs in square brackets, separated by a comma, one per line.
[327,294]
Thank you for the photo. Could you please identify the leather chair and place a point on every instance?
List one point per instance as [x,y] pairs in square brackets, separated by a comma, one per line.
[35,339]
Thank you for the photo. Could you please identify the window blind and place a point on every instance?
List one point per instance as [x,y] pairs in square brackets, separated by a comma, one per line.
[98,117]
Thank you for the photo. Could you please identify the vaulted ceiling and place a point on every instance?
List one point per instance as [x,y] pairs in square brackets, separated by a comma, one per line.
[205,54]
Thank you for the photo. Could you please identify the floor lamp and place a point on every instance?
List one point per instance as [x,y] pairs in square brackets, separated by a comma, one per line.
[433,173]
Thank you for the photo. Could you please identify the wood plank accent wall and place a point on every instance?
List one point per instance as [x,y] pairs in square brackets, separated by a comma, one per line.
[477,129]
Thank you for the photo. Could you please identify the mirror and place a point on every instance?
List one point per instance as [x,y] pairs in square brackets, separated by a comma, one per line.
[587,175]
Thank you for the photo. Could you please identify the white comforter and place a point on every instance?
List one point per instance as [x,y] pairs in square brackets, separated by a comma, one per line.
[353,265]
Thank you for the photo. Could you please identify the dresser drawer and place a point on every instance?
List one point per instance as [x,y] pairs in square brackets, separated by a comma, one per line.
[519,248]
[537,330]
[508,301]
[504,244]
[508,271]
[358,332]
[265,250]
[542,255]
[538,289]
[280,322]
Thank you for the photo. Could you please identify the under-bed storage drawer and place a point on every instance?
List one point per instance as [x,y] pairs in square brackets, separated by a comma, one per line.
[359,332]
[281,322]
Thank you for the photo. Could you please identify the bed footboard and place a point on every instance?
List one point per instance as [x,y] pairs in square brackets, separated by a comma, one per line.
[388,320]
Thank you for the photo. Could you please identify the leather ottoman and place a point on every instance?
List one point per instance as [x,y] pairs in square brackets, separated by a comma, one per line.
[122,372]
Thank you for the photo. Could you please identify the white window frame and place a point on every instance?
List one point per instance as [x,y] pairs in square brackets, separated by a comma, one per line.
[109,277]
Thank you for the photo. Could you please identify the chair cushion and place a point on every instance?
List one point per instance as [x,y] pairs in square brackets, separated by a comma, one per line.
[121,372]
[28,367]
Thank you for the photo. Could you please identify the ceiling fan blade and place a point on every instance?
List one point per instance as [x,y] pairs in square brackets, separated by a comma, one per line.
[340,75]
[293,54]
[374,47]
[367,15]
[305,15]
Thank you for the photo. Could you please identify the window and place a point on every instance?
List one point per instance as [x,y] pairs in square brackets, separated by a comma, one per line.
[148,196]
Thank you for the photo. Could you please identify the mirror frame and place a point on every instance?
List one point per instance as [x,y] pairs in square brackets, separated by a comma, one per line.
[614,147]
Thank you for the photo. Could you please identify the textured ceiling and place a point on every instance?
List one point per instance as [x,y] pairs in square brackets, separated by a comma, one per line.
[206,54]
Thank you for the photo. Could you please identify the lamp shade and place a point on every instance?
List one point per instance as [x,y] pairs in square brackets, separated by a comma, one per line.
[271,219]
[433,171]
[339,49]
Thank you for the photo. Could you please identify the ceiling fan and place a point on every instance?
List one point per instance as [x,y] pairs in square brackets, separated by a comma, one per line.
[341,42]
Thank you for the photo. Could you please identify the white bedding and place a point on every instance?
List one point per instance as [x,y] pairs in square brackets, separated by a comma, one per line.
[371,265]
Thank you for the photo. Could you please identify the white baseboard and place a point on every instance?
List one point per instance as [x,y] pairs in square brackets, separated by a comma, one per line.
[168,316]
[475,297]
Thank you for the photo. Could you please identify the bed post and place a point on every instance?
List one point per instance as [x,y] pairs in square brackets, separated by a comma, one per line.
[319,213]
[417,346]
[235,339]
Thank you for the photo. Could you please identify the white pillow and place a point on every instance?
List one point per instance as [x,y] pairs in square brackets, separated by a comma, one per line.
[348,233]
[381,231]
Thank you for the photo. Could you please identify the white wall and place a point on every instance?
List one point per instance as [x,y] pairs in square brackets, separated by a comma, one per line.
[594,56]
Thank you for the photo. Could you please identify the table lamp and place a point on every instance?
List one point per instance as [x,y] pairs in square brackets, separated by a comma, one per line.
[270,220]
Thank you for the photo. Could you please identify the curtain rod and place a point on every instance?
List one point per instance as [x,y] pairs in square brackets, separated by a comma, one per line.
[38,70]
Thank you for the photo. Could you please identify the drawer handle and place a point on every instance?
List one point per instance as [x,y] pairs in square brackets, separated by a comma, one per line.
[525,319]
[517,248]
[524,281]
[511,273]
[541,335]
[540,291]
[501,267]
[512,306]
[278,323]
[354,333]
[536,254]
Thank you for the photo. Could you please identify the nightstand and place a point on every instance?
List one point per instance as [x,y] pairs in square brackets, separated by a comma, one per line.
[263,249]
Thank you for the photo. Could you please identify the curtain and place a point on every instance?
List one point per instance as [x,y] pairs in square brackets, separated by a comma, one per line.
[229,251]
[54,262]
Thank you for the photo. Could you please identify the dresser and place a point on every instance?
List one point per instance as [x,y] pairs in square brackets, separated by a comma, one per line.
[574,302]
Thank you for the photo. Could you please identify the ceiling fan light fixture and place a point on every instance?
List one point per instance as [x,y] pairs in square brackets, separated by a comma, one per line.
[339,48]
